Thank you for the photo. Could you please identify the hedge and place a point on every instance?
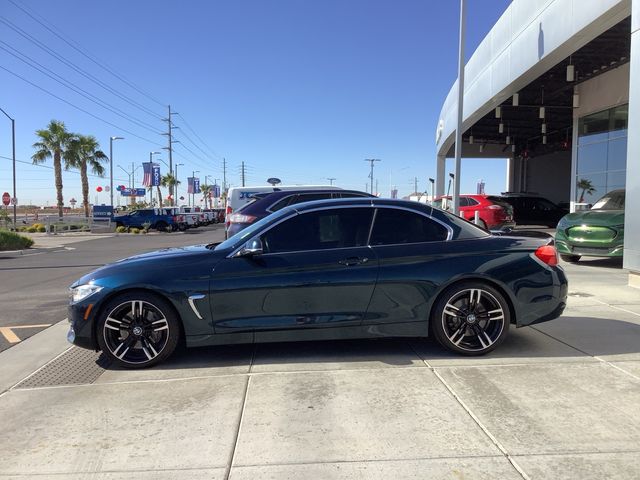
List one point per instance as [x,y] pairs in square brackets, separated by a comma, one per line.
[13,241]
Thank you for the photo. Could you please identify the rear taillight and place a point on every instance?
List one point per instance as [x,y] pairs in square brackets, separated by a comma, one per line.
[547,254]
[240,218]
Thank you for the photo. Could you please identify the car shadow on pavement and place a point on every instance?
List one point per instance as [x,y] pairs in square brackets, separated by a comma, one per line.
[569,338]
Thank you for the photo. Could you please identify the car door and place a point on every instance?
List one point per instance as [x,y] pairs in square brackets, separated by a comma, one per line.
[411,248]
[315,271]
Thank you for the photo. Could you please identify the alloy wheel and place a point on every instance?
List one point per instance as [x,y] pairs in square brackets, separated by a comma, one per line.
[136,332]
[473,319]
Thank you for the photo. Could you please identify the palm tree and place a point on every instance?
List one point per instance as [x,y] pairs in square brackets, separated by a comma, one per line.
[169,180]
[53,142]
[206,191]
[586,186]
[82,153]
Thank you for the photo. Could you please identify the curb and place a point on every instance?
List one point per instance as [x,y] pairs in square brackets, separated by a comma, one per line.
[23,253]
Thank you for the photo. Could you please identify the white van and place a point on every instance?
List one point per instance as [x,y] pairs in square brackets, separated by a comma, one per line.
[240,196]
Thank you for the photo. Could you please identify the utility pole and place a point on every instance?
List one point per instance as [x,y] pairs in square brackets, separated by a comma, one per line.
[331,179]
[14,200]
[376,187]
[415,184]
[169,147]
[372,161]
[242,173]
[224,175]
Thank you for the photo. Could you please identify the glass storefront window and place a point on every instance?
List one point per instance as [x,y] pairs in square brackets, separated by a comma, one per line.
[602,153]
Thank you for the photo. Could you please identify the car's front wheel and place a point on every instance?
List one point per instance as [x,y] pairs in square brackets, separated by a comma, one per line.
[137,330]
[471,318]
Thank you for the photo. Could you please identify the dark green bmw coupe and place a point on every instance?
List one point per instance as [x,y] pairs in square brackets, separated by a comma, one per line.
[330,269]
[597,232]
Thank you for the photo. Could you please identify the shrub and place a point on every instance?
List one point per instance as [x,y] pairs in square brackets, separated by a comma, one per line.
[13,241]
[121,229]
[32,229]
[42,229]
[135,230]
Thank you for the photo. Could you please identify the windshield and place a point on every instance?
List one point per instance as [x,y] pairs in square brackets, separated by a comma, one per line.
[245,234]
[611,201]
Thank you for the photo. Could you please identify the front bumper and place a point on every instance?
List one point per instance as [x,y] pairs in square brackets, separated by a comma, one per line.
[81,324]
[588,249]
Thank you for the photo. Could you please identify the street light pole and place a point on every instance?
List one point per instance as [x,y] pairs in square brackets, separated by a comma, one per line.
[13,144]
[111,139]
[151,154]
[193,187]
[331,179]
[176,178]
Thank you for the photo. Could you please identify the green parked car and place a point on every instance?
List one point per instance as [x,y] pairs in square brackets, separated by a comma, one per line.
[598,232]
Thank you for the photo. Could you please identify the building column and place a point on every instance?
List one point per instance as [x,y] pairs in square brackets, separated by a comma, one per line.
[632,202]
[509,186]
[441,167]
[574,164]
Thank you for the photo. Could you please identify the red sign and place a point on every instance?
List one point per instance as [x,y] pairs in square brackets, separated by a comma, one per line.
[6,198]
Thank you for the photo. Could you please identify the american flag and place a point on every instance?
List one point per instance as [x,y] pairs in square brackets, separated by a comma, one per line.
[148,174]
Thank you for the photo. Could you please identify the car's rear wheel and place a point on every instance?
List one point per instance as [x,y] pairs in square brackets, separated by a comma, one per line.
[137,330]
[471,318]
[570,258]
[161,226]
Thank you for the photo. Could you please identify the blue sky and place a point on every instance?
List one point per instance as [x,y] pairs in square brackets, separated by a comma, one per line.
[298,89]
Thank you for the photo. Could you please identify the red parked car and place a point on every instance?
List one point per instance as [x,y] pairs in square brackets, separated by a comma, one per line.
[494,215]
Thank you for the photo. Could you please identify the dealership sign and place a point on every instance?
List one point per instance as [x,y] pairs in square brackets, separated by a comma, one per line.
[102,212]
[133,192]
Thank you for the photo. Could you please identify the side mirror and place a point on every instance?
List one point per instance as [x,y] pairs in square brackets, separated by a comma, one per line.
[250,249]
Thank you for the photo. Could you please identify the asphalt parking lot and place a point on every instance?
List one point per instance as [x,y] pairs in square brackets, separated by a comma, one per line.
[559,400]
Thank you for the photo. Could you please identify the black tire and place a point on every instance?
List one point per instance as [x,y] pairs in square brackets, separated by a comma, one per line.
[161,226]
[570,258]
[471,318]
[182,227]
[140,339]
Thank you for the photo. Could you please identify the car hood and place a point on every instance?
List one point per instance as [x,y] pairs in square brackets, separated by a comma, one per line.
[165,260]
[594,217]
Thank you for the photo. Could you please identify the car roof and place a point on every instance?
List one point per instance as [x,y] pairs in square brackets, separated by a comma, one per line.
[363,201]
[263,203]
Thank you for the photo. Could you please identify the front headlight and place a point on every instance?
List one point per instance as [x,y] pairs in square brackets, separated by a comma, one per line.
[79,293]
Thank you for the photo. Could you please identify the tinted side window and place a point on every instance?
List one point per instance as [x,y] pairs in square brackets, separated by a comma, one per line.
[335,228]
[350,195]
[310,197]
[471,202]
[464,202]
[394,226]
[281,204]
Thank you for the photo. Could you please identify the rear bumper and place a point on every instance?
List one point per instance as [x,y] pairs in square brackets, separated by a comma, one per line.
[547,303]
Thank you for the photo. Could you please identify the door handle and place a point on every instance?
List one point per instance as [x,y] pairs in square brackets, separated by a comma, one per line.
[351,261]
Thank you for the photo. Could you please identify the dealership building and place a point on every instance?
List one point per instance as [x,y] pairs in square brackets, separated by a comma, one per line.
[554,88]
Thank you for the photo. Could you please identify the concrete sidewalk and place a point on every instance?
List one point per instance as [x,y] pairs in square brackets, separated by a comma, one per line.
[556,401]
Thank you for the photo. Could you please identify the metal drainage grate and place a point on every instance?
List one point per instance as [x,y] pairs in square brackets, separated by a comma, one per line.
[75,367]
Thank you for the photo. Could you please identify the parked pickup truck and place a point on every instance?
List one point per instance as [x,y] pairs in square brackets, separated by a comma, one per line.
[155,217]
